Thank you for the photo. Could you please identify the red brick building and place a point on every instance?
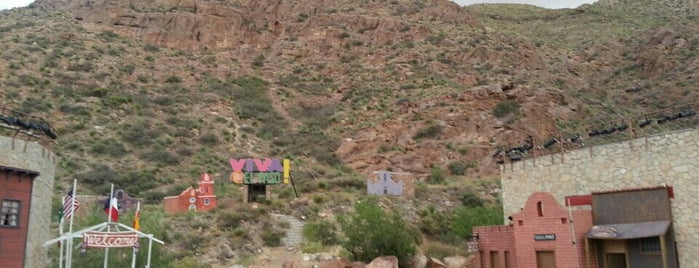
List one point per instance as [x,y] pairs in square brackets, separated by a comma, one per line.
[200,199]
[15,200]
[542,234]
[620,228]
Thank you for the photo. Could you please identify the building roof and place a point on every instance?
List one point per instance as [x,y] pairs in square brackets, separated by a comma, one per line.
[622,231]
[19,170]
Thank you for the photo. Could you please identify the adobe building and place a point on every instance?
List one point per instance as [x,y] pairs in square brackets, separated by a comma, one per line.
[200,199]
[124,201]
[620,228]
[543,234]
[27,171]
[391,183]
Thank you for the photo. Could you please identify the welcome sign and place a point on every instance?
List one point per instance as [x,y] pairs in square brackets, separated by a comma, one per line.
[259,171]
[110,240]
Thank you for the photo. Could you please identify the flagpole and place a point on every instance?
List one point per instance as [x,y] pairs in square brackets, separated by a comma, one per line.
[60,233]
[109,220]
[133,256]
[69,244]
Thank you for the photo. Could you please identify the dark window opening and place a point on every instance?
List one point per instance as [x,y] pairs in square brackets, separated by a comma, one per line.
[540,208]
[650,245]
[10,213]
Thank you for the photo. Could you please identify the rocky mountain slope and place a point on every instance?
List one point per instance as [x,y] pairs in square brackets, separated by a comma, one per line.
[149,94]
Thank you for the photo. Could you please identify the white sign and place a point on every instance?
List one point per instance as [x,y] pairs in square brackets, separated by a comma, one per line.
[110,240]
[472,246]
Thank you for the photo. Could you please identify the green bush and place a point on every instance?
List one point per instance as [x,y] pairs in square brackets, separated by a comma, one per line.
[322,231]
[506,107]
[436,175]
[430,131]
[471,199]
[468,217]
[272,236]
[457,168]
[370,233]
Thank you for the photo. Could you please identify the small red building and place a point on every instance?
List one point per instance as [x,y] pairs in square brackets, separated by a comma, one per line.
[15,199]
[200,199]
[543,234]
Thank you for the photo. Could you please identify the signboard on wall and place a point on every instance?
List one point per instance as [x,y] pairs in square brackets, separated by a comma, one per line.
[259,171]
[544,237]
[472,246]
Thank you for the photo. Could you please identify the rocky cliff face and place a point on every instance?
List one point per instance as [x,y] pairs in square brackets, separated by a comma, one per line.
[209,24]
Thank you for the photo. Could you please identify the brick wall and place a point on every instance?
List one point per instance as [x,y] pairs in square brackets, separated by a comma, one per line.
[498,239]
[543,216]
[13,240]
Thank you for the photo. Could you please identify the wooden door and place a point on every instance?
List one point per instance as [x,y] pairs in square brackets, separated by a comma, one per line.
[545,259]
[616,260]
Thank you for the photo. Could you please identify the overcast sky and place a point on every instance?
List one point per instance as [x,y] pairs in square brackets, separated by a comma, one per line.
[541,3]
[6,4]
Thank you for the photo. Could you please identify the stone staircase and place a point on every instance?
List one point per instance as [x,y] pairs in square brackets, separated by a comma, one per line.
[294,235]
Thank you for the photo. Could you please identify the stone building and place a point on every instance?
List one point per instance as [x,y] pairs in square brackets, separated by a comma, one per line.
[666,159]
[620,228]
[27,171]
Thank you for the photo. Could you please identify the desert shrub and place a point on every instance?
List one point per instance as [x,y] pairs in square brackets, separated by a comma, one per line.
[506,107]
[312,247]
[230,220]
[471,199]
[161,156]
[436,175]
[440,250]
[431,131]
[259,61]
[110,147]
[190,262]
[370,232]
[323,232]
[140,133]
[272,236]
[434,223]
[466,218]
[173,79]
[208,139]
[457,168]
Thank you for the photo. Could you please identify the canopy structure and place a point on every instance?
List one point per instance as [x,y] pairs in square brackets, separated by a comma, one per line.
[634,230]
[107,235]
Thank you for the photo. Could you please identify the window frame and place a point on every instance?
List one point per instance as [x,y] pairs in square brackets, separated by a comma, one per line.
[650,245]
[17,215]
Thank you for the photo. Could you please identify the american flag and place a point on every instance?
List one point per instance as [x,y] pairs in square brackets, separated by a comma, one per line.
[67,201]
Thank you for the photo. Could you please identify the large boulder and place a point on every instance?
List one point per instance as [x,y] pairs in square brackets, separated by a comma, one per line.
[384,262]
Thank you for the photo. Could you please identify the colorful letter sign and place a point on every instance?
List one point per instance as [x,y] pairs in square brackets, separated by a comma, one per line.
[110,240]
[259,171]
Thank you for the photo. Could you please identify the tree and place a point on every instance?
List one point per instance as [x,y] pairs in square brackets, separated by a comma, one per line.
[468,217]
[371,233]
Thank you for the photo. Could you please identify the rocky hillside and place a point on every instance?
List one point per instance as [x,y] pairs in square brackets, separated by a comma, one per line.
[149,94]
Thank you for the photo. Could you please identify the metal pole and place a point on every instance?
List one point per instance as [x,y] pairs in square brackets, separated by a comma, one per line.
[133,256]
[109,220]
[60,244]
[150,247]
[69,241]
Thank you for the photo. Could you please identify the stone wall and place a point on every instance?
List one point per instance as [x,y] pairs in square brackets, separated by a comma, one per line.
[670,158]
[31,155]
